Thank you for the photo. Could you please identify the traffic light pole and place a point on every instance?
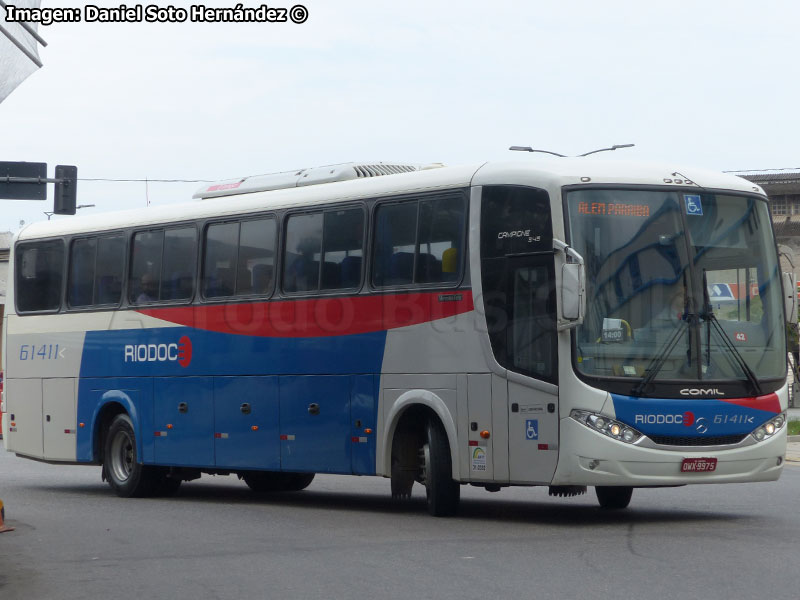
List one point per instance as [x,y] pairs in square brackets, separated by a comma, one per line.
[16,186]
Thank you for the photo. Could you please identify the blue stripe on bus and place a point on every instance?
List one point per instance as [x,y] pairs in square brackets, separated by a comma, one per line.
[150,372]
[679,417]
[157,352]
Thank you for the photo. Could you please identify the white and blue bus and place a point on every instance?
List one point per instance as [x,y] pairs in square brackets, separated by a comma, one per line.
[553,323]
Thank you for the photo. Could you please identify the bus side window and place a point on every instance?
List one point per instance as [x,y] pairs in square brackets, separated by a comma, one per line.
[256,259]
[145,277]
[109,269]
[419,242]
[343,242]
[395,236]
[39,268]
[180,255]
[81,272]
[441,230]
[301,265]
[221,241]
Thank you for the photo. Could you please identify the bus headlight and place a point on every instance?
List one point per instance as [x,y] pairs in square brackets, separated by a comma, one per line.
[605,425]
[770,428]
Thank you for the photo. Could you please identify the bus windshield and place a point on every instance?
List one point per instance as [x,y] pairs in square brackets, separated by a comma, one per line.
[681,285]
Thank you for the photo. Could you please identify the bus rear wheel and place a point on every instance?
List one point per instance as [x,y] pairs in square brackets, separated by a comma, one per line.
[126,475]
[271,481]
[613,497]
[436,473]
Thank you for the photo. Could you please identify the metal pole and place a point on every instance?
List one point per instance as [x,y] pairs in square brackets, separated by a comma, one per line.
[9,179]
[21,48]
[29,29]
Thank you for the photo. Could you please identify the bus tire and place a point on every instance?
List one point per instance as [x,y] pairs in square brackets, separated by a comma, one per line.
[126,475]
[262,481]
[295,482]
[441,491]
[613,497]
[272,481]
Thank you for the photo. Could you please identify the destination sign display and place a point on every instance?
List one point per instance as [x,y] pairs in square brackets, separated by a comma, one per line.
[613,209]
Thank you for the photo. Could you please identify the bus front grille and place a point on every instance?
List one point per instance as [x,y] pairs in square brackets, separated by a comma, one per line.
[719,440]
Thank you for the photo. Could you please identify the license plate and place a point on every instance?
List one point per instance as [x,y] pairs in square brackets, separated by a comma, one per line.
[698,465]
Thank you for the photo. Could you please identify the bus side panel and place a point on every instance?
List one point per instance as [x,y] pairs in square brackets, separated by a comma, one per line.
[183,409]
[481,452]
[247,423]
[500,413]
[184,351]
[315,423]
[60,419]
[24,417]
[363,414]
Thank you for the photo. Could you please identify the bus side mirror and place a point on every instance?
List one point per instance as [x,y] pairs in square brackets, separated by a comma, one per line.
[790,297]
[572,305]
[573,295]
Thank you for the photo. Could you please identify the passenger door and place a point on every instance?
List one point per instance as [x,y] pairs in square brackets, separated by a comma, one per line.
[519,298]
[532,397]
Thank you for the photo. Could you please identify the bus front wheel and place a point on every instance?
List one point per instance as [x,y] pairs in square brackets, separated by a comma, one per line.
[441,490]
[126,475]
[613,497]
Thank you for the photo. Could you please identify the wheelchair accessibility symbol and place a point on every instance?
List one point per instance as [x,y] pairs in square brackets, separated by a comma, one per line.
[532,429]
[693,204]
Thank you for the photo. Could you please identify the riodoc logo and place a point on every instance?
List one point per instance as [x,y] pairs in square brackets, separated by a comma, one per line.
[686,419]
[180,352]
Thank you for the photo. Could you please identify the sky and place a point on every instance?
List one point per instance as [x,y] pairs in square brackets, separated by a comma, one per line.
[709,83]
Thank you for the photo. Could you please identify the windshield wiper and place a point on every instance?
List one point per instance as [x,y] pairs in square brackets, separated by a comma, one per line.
[709,316]
[658,360]
[739,359]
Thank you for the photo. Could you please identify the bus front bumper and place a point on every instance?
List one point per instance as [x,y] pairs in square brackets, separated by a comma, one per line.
[588,457]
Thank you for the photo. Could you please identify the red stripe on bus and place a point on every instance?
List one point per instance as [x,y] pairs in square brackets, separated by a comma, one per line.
[769,402]
[319,317]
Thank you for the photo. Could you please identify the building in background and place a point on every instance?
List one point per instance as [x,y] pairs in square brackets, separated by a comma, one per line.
[783,189]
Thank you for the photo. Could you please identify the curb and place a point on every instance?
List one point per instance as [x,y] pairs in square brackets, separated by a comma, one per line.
[793,438]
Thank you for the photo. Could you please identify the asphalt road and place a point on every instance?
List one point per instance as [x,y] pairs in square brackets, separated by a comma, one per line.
[344,538]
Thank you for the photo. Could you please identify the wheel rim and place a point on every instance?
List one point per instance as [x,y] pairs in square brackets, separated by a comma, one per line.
[122,456]
[424,464]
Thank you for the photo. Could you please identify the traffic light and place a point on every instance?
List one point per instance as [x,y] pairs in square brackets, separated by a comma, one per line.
[66,190]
